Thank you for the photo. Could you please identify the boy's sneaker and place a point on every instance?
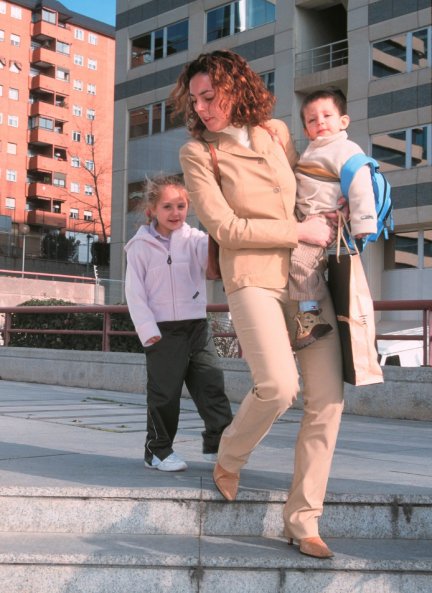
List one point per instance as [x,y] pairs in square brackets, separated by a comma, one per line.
[172,463]
[212,457]
[310,327]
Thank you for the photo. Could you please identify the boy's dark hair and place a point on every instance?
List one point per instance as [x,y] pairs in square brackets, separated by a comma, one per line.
[335,94]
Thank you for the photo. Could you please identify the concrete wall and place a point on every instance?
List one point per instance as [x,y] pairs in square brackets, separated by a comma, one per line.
[406,393]
[15,291]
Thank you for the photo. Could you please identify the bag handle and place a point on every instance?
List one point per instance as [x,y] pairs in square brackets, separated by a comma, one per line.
[343,224]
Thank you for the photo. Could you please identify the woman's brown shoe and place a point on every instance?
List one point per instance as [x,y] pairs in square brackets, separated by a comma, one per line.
[226,482]
[313,546]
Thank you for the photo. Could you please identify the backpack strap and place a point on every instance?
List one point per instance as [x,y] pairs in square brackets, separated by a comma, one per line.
[350,168]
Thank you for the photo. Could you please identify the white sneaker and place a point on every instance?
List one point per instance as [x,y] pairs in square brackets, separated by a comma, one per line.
[172,463]
[212,457]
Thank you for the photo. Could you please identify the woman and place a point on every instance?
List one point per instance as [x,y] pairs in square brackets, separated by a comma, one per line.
[251,216]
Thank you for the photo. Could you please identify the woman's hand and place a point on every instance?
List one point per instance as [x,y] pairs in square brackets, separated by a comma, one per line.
[316,230]
[152,340]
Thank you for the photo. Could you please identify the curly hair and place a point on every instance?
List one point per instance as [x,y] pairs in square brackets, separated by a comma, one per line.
[154,188]
[234,81]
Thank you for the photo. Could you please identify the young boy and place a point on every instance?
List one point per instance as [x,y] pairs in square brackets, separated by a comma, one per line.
[325,120]
[166,296]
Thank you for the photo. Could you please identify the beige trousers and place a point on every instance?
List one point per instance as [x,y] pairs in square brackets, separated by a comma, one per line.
[262,319]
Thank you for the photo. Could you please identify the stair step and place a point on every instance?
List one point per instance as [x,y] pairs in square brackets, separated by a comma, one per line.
[115,563]
[194,511]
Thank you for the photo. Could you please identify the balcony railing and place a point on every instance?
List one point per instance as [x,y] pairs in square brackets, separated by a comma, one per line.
[44,218]
[321,58]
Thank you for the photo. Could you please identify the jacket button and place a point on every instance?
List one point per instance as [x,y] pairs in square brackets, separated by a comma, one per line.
[276,190]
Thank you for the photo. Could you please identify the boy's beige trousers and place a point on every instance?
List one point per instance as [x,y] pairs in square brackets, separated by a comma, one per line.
[261,318]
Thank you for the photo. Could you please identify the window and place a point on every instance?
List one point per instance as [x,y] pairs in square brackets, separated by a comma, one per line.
[402,53]
[78,60]
[76,136]
[239,16]
[15,66]
[2,7]
[62,74]
[91,89]
[79,34]
[45,123]
[88,190]
[11,175]
[11,148]
[13,121]
[92,39]
[91,114]
[13,94]
[74,187]
[2,35]
[1,118]
[1,90]
[89,165]
[403,149]
[15,40]
[73,213]
[409,250]
[16,12]
[62,48]
[59,180]
[88,215]
[48,16]
[10,203]
[75,162]
[2,62]
[89,139]
[269,80]
[78,85]
[92,64]
[160,44]
[77,110]
[152,119]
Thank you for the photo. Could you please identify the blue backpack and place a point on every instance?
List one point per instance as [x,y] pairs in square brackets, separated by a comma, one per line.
[382,193]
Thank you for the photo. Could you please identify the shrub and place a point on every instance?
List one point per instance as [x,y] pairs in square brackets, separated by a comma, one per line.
[70,321]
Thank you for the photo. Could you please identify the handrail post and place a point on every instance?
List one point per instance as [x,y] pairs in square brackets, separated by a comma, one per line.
[7,326]
[106,330]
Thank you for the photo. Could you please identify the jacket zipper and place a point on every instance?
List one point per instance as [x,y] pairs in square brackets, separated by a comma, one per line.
[169,262]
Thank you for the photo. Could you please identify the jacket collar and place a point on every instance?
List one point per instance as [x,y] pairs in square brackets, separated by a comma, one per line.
[261,142]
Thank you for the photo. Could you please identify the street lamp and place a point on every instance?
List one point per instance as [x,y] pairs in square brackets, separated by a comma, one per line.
[24,229]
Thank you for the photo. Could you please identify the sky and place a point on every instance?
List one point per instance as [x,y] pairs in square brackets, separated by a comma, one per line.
[102,10]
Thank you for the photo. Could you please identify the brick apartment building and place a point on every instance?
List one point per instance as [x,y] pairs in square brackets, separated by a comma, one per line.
[56,125]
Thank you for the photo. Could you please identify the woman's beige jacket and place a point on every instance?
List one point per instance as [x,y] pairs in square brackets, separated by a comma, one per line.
[253,219]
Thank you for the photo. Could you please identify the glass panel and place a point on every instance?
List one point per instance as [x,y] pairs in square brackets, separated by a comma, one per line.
[218,23]
[420,49]
[390,150]
[389,56]
[406,250]
[170,124]
[260,12]
[419,146]
[427,249]
[157,118]
[269,80]
[139,122]
[177,38]
[141,51]
[158,50]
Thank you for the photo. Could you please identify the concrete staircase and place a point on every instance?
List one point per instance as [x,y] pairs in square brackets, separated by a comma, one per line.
[188,540]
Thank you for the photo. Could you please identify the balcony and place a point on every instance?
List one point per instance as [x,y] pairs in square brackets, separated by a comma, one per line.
[46,191]
[49,83]
[323,65]
[43,58]
[44,163]
[45,218]
[44,136]
[49,110]
[42,30]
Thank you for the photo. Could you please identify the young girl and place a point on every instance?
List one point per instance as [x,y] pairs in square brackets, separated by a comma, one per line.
[166,296]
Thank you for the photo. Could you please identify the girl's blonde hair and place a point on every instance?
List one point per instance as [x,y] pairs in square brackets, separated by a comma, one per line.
[154,188]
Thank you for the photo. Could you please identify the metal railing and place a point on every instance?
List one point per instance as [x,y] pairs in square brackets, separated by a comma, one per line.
[424,306]
[321,58]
